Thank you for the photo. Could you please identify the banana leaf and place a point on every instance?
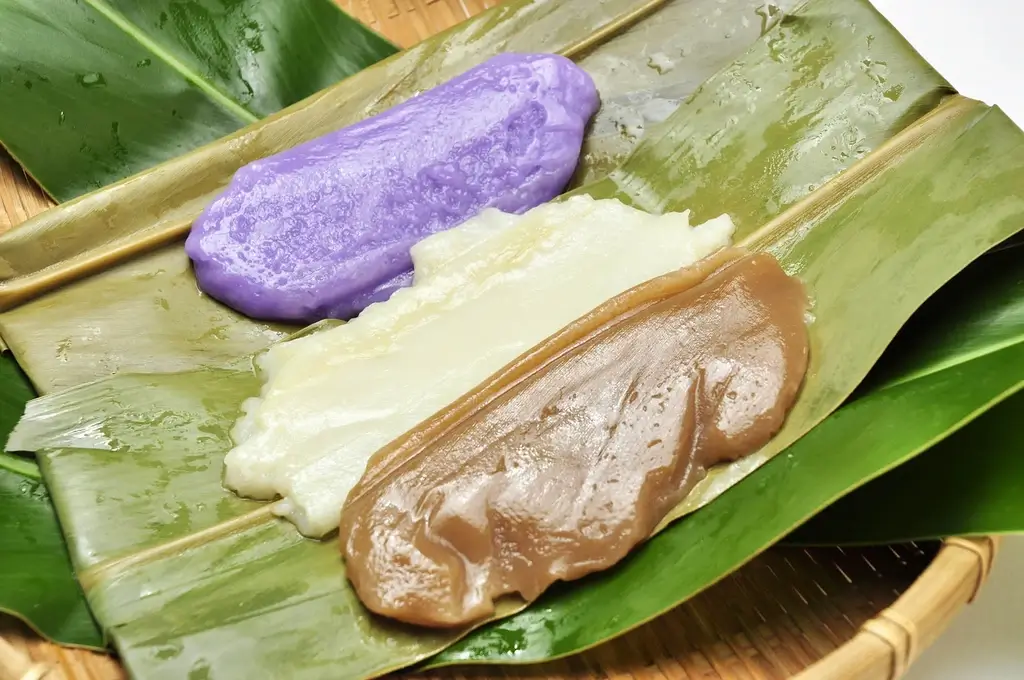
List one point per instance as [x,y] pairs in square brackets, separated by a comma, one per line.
[965,355]
[36,582]
[973,482]
[90,329]
[172,604]
[98,90]
[694,38]
[14,394]
[169,583]
[645,73]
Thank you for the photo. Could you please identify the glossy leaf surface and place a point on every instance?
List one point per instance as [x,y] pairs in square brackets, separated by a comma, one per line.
[973,482]
[36,580]
[96,90]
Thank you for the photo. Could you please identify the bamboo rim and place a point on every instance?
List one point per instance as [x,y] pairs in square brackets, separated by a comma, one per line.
[883,647]
[888,644]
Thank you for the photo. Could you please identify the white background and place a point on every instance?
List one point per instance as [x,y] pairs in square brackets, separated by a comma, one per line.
[978,46]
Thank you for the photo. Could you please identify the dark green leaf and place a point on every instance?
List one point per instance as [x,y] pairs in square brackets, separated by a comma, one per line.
[36,581]
[15,392]
[970,484]
[96,90]
[973,482]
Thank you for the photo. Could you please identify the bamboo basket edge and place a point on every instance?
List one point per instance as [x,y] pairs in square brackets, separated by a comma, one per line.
[888,644]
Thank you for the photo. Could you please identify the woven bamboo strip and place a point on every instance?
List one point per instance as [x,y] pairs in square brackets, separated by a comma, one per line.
[20,198]
[811,614]
[885,647]
[407,22]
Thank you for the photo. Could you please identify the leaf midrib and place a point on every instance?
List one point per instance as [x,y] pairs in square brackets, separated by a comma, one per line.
[952,362]
[190,75]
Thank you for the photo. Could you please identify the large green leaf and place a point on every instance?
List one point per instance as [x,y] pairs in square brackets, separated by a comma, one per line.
[90,329]
[96,90]
[973,482]
[36,581]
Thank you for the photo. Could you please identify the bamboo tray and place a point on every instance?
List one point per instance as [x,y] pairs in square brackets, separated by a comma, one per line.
[822,613]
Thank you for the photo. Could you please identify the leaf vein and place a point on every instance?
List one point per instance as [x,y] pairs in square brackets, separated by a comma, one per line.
[190,75]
